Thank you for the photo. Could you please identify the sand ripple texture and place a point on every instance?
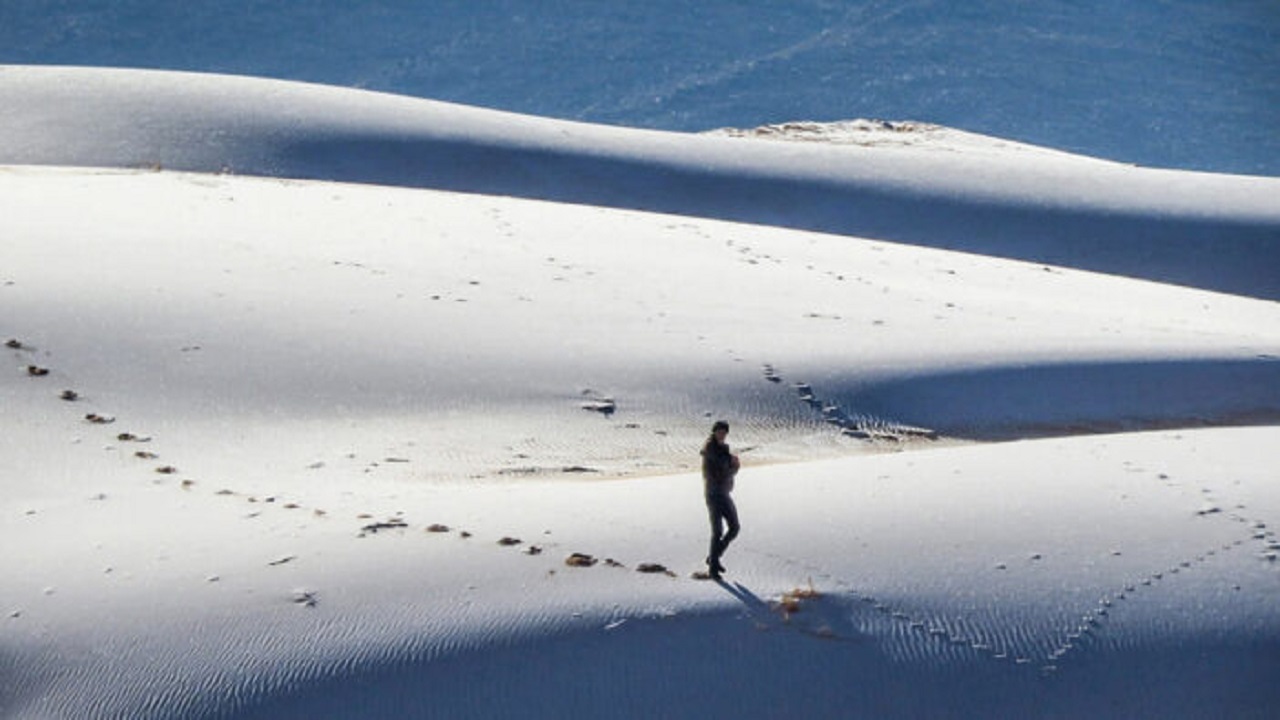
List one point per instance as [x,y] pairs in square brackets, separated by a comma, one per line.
[282,447]
[855,581]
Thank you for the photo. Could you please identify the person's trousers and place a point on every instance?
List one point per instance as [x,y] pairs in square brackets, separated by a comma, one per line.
[723,513]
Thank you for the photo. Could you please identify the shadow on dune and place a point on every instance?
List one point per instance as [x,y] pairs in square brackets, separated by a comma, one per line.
[721,666]
[1199,230]
[1063,398]
[1236,257]
[744,595]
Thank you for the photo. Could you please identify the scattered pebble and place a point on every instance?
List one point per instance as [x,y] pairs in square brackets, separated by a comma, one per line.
[70,395]
[579,560]
[437,528]
[37,371]
[509,541]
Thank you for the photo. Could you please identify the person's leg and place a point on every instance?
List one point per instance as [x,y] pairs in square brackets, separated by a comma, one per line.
[722,510]
[717,532]
[729,512]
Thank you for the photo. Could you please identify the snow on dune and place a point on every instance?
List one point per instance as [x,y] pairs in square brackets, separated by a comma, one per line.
[263,435]
[1216,232]
[339,301]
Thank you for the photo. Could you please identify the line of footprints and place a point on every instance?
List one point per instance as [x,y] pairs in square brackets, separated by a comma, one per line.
[1080,636]
[1073,639]
[371,526]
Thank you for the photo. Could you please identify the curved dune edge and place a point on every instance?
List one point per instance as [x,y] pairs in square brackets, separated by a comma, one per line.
[277,447]
[231,517]
[1011,574]
[1210,231]
[399,323]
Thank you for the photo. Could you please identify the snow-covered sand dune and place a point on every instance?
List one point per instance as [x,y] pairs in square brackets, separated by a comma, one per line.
[1211,231]
[262,436]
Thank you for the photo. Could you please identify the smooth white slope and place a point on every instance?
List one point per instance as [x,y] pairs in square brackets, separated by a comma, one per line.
[309,307]
[306,355]
[1130,577]
[1212,231]
[313,362]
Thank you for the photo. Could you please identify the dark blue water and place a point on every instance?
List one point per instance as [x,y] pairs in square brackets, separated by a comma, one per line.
[1177,83]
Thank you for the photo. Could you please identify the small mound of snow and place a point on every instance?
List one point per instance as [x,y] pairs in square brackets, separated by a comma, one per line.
[864,132]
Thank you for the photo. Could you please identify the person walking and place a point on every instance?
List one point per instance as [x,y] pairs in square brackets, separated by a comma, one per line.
[719,466]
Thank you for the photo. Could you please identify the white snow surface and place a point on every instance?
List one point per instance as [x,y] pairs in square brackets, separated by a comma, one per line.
[265,336]
[1211,231]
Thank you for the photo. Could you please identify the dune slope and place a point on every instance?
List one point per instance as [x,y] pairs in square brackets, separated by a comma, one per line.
[1210,231]
[279,446]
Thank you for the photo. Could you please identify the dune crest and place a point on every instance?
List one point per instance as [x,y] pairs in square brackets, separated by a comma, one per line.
[1210,231]
[304,431]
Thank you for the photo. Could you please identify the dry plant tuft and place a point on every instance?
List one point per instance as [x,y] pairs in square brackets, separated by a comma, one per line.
[791,602]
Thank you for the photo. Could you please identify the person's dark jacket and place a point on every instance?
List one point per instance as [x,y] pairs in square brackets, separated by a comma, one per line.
[717,468]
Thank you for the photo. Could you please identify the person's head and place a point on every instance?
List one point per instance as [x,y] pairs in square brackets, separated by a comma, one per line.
[720,430]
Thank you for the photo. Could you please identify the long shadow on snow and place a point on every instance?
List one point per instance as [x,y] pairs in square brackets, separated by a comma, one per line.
[719,666]
[1019,401]
[1237,257]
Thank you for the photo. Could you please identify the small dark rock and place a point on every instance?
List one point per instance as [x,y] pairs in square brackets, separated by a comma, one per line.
[579,560]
